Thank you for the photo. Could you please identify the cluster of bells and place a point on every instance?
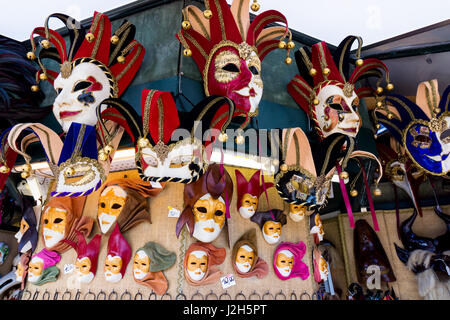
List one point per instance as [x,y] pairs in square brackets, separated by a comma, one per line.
[46,45]
[103,155]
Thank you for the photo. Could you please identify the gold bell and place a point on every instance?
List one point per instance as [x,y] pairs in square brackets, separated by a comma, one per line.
[90,37]
[312,72]
[343,175]
[255,6]
[390,86]
[291,45]
[187,52]
[114,39]
[43,76]
[282,45]
[121,59]
[186,25]
[108,149]
[207,14]
[284,167]
[102,155]
[359,62]
[143,142]
[26,167]
[326,71]
[240,139]
[437,110]
[316,101]
[288,60]
[377,126]
[4,169]
[31,55]
[45,44]
[379,104]
[25,174]
[69,172]
[223,137]
[34,88]
[379,90]
[390,115]
[377,192]
[353,193]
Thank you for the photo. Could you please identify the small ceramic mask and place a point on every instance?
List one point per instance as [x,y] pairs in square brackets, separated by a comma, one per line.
[316,227]
[42,267]
[248,193]
[287,262]
[117,257]
[270,223]
[200,263]
[245,259]
[297,212]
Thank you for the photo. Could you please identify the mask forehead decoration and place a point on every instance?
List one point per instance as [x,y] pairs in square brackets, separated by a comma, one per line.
[326,91]
[270,222]
[422,128]
[117,257]
[62,218]
[42,267]
[96,66]
[199,254]
[206,204]
[87,256]
[124,201]
[248,192]
[228,49]
[148,265]
[287,262]
[368,251]
[244,258]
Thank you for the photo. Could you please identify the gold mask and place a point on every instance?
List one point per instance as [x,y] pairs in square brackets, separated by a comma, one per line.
[83,265]
[249,201]
[113,264]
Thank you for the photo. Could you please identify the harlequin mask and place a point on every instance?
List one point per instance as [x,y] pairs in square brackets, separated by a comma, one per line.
[422,128]
[287,262]
[248,193]
[228,49]
[124,201]
[87,257]
[270,223]
[169,143]
[200,263]
[206,207]
[42,267]
[97,66]
[245,258]
[61,219]
[117,257]
[316,227]
[326,91]
[27,236]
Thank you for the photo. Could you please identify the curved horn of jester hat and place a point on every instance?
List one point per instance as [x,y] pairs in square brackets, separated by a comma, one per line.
[96,66]
[423,129]
[228,49]
[213,182]
[125,201]
[161,155]
[87,250]
[118,246]
[325,90]
[251,187]
[64,216]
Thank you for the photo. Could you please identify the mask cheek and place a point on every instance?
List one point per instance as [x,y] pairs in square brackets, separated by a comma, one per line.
[330,118]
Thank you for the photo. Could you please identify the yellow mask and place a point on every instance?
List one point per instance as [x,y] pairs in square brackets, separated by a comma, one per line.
[55,219]
[110,205]
[113,264]
[83,265]
[249,201]
[36,268]
[141,263]
[271,227]
[283,261]
[194,263]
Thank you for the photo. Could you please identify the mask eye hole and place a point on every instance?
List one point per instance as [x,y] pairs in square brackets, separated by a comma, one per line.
[58,220]
[202,209]
[103,205]
[334,103]
[231,67]
[45,221]
[116,206]
[218,213]
[58,90]
[254,70]
[81,85]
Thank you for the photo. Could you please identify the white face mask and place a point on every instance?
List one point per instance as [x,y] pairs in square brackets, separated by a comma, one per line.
[73,103]
[176,165]
[138,274]
[33,278]
[196,275]
[52,237]
[113,277]
[286,271]
[85,278]
[271,239]
[206,236]
[333,118]
[246,212]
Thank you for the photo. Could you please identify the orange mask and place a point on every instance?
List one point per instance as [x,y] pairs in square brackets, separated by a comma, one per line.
[141,265]
[296,212]
[197,264]
[110,205]
[54,225]
[209,218]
